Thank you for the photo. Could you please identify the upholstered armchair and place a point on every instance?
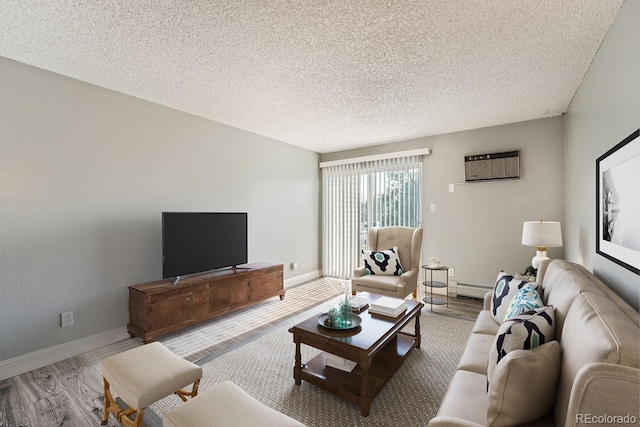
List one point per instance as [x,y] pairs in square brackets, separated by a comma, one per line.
[409,244]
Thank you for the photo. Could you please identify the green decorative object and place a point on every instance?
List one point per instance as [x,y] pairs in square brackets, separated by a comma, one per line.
[345,314]
[333,318]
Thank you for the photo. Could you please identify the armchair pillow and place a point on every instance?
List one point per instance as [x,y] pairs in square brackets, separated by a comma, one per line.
[384,262]
[503,292]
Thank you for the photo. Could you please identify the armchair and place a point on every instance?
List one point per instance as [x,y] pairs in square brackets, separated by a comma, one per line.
[409,243]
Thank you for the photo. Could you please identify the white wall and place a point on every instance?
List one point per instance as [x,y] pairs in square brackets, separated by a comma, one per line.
[477,229]
[84,176]
[605,110]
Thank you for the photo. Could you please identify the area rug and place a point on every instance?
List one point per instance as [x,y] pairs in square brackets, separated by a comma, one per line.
[263,367]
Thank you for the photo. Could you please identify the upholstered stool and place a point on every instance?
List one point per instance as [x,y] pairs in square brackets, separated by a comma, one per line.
[226,405]
[144,375]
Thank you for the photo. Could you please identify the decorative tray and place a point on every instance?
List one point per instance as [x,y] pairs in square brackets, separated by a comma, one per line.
[355,322]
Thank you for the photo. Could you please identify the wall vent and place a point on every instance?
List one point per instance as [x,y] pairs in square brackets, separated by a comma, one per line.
[493,166]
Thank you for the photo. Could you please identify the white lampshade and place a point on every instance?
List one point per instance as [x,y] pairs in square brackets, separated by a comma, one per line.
[543,235]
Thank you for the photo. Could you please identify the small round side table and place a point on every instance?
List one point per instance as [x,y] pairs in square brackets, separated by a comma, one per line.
[430,284]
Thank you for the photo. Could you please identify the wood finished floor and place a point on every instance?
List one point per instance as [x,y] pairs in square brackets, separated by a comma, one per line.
[69,393]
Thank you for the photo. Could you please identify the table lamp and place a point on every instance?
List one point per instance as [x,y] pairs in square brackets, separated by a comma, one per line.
[542,235]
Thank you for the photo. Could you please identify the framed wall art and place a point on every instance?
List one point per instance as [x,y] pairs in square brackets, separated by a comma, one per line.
[618,203]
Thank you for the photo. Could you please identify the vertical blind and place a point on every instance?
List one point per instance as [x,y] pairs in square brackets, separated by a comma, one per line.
[361,195]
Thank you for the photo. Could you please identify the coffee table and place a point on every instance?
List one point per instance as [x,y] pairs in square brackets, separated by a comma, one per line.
[377,346]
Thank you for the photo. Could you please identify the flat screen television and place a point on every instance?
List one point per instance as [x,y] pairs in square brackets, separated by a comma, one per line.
[195,242]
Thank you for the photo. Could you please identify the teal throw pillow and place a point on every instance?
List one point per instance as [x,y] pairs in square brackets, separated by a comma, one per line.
[526,299]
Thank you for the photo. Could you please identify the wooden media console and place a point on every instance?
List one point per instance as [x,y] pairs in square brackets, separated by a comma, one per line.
[158,308]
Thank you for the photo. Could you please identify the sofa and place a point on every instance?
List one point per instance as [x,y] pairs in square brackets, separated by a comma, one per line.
[588,373]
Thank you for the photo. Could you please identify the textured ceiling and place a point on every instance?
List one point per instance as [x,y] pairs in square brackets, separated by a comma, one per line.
[322,74]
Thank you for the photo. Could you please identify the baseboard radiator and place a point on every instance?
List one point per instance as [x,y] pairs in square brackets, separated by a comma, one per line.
[471,290]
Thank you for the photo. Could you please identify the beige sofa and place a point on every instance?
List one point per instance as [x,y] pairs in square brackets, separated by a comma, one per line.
[599,375]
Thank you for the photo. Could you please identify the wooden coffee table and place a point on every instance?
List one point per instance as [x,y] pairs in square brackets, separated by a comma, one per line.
[377,345]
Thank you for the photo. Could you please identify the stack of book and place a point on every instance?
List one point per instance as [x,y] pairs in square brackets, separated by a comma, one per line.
[388,306]
[339,362]
[359,303]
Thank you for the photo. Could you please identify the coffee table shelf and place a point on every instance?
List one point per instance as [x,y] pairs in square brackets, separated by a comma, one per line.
[348,385]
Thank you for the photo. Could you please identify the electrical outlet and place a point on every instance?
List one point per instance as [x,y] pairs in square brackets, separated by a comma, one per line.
[452,272]
[66,319]
[294,265]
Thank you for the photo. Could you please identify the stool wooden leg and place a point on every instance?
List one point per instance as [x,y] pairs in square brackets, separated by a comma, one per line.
[109,403]
[193,393]
[122,415]
[124,419]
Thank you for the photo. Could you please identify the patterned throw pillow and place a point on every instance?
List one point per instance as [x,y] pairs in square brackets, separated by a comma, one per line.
[525,299]
[523,332]
[384,262]
[503,292]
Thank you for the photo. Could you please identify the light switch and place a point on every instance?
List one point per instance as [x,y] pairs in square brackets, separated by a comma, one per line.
[433,207]
[452,188]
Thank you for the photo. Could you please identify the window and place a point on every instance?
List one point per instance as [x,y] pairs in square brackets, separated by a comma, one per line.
[358,196]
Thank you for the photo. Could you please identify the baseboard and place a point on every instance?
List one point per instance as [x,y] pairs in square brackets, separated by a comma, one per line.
[37,359]
[453,288]
[294,281]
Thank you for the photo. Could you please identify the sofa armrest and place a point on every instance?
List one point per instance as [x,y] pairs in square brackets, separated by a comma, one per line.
[358,272]
[604,389]
[445,421]
[486,305]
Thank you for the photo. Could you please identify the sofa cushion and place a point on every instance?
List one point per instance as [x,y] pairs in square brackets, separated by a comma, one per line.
[385,262]
[523,385]
[485,324]
[612,296]
[562,283]
[525,299]
[376,282]
[476,353]
[503,292]
[523,332]
[466,398]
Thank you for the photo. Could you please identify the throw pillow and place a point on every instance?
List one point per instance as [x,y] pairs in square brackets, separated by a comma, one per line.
[523,388]
[384,262]
[523,332]
[525,299]
[503,292]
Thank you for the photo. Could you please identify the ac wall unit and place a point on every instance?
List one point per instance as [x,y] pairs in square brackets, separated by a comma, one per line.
[493,166]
